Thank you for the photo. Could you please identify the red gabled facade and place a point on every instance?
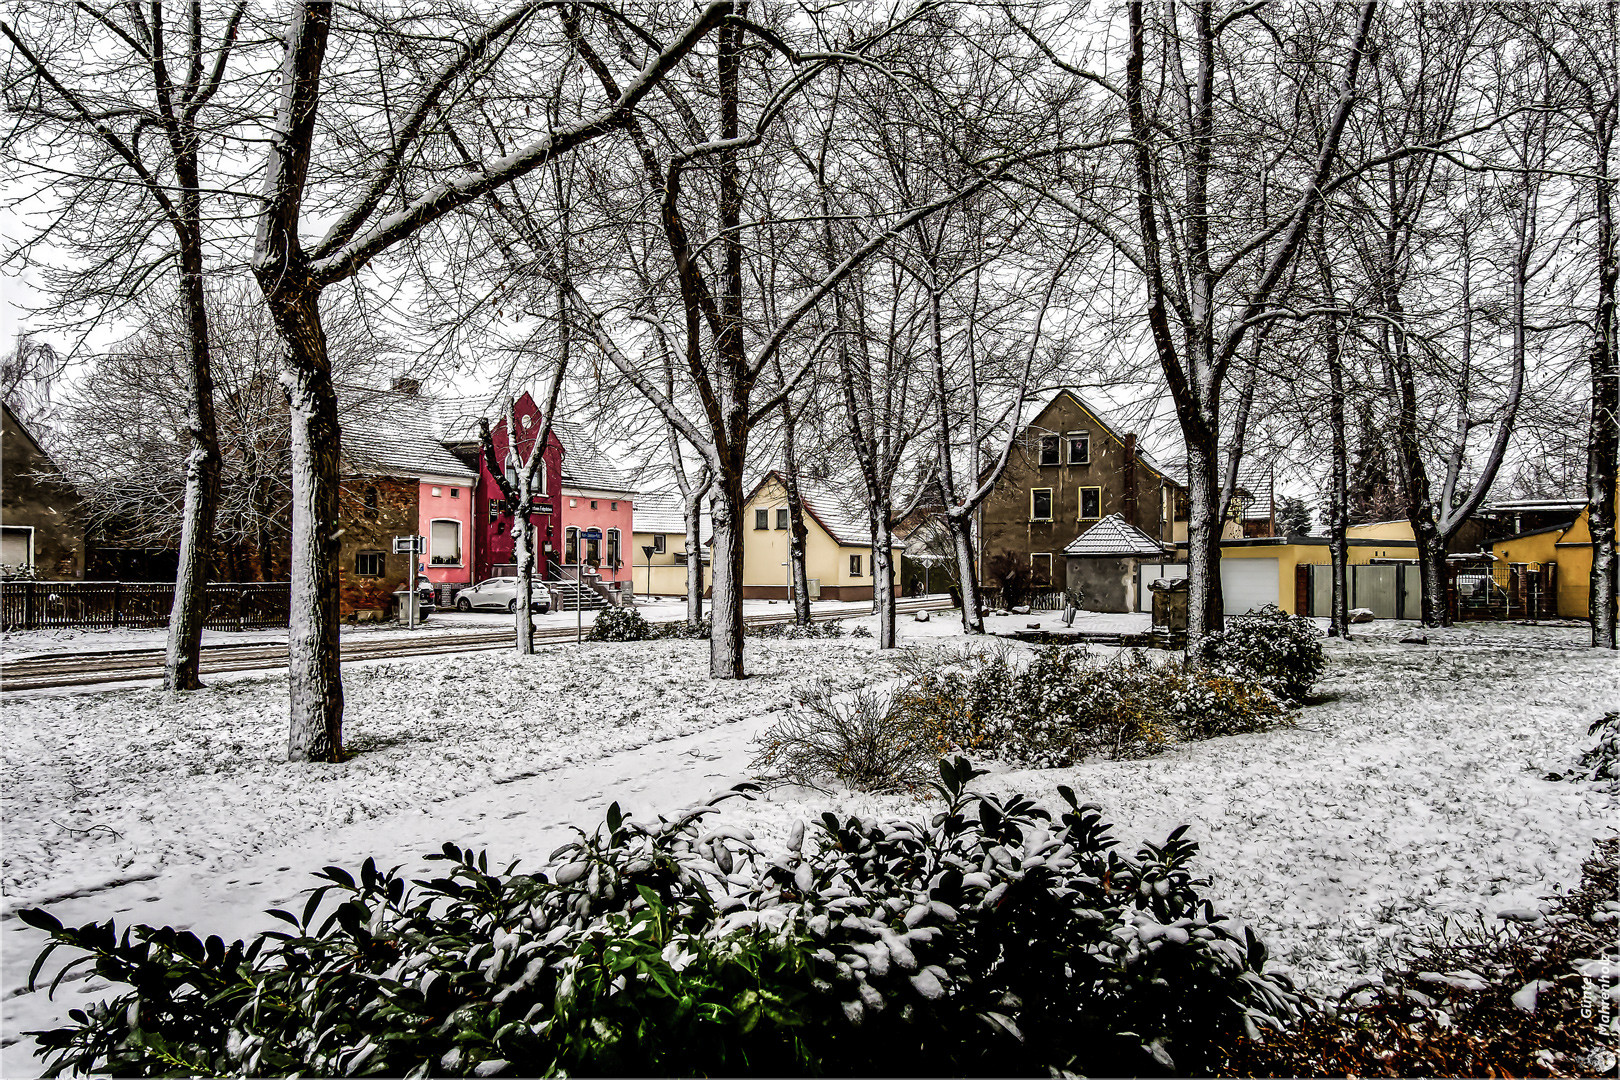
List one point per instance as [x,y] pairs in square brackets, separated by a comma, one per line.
[492,532]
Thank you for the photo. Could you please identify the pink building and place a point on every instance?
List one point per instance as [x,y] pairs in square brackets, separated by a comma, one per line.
[447,522]
[596,509]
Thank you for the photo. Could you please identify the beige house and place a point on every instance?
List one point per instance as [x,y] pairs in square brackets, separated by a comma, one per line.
[838,549]
[658,548]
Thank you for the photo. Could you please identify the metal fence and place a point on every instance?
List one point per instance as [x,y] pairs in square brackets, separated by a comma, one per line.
[138,605]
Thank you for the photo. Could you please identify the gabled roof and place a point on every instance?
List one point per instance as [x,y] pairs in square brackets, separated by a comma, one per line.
[1141,455]
[664,512]
[583,465]
[1112,536]
[834,506]
[389,433]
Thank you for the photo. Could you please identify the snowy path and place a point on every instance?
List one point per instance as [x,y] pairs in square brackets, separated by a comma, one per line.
[524,819]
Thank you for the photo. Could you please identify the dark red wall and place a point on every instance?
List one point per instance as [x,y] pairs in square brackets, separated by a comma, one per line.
[493,539]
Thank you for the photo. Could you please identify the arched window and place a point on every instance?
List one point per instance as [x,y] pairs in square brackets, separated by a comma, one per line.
[613,547]
[570,546]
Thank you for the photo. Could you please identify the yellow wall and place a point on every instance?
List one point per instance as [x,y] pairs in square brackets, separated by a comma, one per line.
[668,576]
[765,551]
[1380,530]
[1571,550]
[1291,556]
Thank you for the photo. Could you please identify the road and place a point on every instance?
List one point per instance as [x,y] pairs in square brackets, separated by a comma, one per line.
[89,670]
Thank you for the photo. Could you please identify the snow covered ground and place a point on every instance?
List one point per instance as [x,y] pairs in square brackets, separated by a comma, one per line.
[1415,790]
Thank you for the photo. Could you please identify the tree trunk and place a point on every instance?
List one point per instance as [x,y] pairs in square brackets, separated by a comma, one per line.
[1205,605]
[726,628]
[1432,573]
[694,559]
[883,580]
[1604,432]
[961,529]
[315,687]
[798,533]
[1339,505]
[522,543]
[184,646]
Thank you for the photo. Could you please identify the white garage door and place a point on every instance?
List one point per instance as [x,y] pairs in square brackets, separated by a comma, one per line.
[1248,584]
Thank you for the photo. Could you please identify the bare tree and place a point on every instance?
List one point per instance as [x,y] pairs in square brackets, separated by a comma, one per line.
[374,201]
[156,70]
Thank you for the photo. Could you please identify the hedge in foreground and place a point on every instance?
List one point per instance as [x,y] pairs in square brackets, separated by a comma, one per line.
[991,939]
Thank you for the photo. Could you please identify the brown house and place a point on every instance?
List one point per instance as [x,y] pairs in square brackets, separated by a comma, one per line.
[40,530]
[1069,471]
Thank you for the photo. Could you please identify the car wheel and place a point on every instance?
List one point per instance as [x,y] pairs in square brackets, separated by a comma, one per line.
[463,604]
[511,606]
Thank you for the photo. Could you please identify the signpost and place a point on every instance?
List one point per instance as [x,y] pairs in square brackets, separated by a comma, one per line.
[647,550]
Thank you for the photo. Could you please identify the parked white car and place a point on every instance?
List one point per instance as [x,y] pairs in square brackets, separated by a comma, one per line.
[500,594]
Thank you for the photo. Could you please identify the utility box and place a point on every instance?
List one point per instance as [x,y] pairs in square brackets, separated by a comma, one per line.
[1169,604]
[408,603]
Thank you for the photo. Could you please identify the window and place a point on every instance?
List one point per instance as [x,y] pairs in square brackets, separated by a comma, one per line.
[781,517]
[613,506]
[17,547]
[445,543]
[573,502]
[1040,567]
[1079,448]
[511,477]
[593,504]
[1040,504]
[1090,503]
[368,564]
[613,547]
[658,543]
[1049,449]
[437,492]
[570,546]
[455,493]
[371,503]
[593,550]
[762,518]
[854,566]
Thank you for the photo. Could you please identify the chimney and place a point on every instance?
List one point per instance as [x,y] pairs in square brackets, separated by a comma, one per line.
[1128,474]
[404,384]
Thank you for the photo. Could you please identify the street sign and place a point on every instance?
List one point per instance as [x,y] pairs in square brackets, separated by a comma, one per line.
[409,545]
[544,508]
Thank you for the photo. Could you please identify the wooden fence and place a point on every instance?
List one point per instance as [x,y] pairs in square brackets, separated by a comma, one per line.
[1037,600]
[138,605]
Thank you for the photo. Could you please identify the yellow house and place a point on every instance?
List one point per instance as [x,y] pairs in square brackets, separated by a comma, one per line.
[1570,547]
[658,548]
[838,549]
[1265,570]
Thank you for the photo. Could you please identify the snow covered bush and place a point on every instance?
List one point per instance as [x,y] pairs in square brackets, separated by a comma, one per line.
[795,632]
[993,937]
[1284,651]
[1531,995]
[1065,706]
[621,624]
[694,631]
[1602,762]
[855,740]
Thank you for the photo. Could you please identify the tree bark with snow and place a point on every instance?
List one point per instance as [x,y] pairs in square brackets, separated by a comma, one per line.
[365,224]
[158,71]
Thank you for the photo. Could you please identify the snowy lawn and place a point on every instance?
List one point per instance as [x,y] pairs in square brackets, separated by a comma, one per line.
[1415,790]
[104,787]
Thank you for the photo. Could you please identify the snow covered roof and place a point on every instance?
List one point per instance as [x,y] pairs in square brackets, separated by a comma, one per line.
[1112,536]
[664,512]
[583,465]
[391,433]
[1571,505]
[838,510]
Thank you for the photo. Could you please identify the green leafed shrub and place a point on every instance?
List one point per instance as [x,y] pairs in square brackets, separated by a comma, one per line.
[621,624]
[1065,706]
[994,938]
[1283,651]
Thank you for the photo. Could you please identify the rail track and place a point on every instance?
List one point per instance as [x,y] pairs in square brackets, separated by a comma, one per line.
[143,665]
